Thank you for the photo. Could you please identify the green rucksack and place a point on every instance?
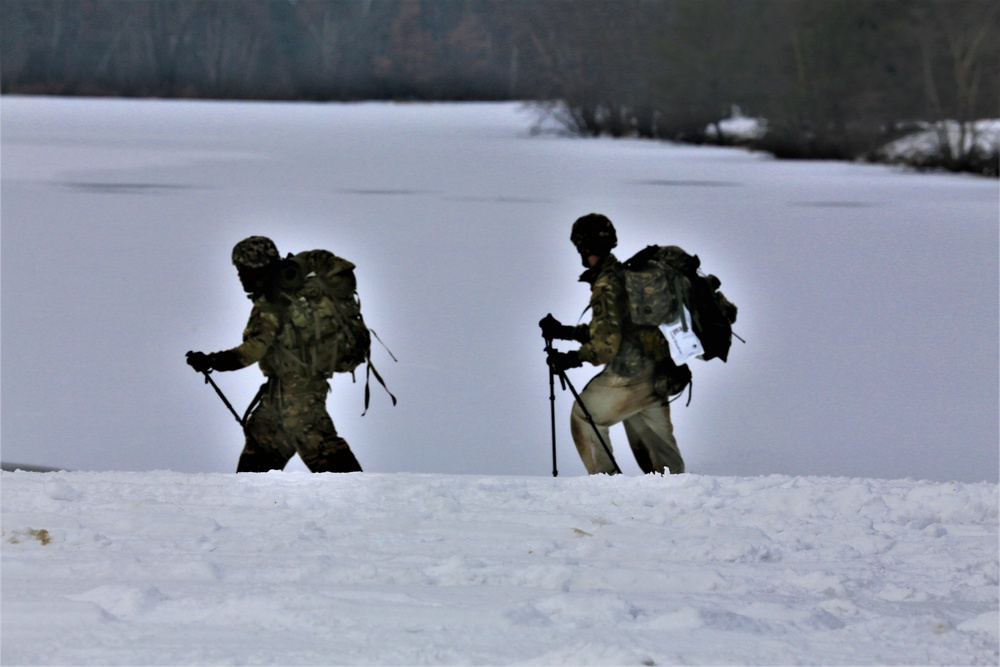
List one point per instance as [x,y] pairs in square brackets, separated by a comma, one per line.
[323,331]
[660,279]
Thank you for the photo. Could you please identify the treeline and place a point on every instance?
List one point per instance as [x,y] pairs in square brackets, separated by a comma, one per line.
[833,78]
[268,49]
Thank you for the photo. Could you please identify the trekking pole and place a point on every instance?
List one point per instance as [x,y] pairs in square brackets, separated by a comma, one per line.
[590,419]
[253,403]
[586,413]
[209,380]
[552,407]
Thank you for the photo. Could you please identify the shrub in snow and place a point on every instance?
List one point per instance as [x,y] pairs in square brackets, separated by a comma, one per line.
[950,145]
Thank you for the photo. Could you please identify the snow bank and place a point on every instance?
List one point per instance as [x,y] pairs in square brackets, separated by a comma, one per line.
[291,568]
[928,144]
[983,135]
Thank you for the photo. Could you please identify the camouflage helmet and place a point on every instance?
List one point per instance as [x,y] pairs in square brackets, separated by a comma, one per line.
[254,252]
[595,232]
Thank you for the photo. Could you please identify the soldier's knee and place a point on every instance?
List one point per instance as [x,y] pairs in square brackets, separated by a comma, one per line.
[597,415]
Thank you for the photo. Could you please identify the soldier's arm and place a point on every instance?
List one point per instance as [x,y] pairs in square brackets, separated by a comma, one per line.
[605,324]
[260,332]
[581,333]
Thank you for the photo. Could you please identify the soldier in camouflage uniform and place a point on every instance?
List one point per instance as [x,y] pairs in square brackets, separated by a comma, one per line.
[291,416]
[638,375]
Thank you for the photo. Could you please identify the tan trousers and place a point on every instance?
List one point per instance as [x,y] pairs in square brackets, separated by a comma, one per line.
[611,399]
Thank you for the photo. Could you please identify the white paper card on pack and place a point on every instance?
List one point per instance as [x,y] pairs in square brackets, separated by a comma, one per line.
[683,344]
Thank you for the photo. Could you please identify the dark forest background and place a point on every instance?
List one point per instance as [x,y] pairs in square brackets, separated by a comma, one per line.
[833,78]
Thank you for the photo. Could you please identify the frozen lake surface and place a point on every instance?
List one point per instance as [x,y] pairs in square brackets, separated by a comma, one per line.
[868,296]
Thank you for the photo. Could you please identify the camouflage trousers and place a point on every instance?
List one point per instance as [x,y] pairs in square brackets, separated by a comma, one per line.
[289,420]
[634,401]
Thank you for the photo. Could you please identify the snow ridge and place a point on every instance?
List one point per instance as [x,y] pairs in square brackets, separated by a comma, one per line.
[292,568]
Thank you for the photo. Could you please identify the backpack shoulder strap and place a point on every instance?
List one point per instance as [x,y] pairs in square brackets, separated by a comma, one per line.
[370,370]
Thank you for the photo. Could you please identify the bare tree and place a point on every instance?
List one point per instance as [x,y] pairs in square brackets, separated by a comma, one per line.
[959,62]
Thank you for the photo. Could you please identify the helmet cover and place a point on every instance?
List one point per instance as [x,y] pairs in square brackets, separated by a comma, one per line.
[595,232]
[255,252]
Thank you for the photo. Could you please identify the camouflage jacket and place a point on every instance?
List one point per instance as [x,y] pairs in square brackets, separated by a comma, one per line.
[306,326]
[260,332]
[261,344]
[611,338]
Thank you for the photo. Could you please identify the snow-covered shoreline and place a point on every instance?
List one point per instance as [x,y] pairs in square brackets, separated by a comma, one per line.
[393,569]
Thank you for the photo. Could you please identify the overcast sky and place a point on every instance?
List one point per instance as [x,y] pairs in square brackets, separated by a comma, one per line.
[868,295]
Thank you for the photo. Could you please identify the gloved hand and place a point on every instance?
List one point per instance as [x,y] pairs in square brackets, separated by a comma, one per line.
[227,360]
[560,361]
[554,329]
[199,361]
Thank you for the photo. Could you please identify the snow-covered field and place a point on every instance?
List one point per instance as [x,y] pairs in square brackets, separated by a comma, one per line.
[412,569]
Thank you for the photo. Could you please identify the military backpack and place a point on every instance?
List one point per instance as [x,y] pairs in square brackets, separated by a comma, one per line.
[666,289]
[323,331]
